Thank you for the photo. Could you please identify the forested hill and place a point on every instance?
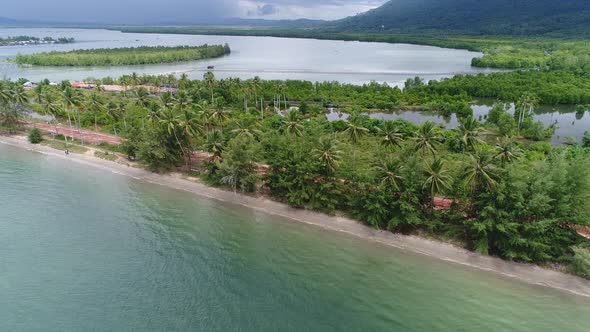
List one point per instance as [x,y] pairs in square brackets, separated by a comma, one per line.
[479,17]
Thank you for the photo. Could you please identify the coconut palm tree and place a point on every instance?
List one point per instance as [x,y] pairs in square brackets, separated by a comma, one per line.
[282,89]
[170,122]
[427,137]
[182,100]
[524,107]
[70,98]
[355,131]
[5,93]
[437,178]
[479,173]
[390,174]
[95,104]
[167,100]
[50,105]
[153,113]
[256,84]
[292,124]
[391,134]
[210,81]
[38,90]
[469,130]
[245,128]
[142,97]
[507,151]
[328,154]
[219,116]
[355,128]
[215,144]
[112,110]
[19,95]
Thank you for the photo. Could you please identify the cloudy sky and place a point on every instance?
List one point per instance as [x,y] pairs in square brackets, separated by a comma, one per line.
[149,11]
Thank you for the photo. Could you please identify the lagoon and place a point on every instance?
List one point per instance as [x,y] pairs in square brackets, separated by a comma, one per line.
[267,57]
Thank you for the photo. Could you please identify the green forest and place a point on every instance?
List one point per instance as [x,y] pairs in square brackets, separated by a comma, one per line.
[515,198]
[124,56]
[474,17]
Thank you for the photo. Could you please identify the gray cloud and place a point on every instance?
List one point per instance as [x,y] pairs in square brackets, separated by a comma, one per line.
[150,11]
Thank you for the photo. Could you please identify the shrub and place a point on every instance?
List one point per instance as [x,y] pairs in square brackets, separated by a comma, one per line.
[581,262]
[35,136]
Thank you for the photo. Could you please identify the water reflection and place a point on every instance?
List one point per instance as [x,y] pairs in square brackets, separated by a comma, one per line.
[569,121]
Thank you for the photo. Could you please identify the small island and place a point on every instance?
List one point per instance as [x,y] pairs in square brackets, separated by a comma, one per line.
[28,40]
[125,56]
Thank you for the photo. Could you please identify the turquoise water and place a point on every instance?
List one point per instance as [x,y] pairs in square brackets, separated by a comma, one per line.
[85,249]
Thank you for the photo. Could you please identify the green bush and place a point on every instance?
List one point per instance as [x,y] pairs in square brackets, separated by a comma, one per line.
[582,261]
[35,136]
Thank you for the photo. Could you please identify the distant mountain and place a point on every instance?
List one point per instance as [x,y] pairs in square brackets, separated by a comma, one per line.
[7,22]
[226,22]
[479,17]
[244,22]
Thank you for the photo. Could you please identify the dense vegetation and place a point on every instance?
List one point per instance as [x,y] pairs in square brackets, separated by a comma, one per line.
[124,56]
[475,17]
[514,200]
[34,40]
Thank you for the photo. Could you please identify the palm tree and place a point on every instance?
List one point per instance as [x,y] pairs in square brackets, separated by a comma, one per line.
[50,107]
[209,79]
[292,124]
[355,131]
[469,130]
[121,108]
[480,173]
[70,99]
[219,116]
[256,83]
[134,79]
[183,81]
[19,95]
[437,180]
[355,128]
[282,88]
[95,104]
[167,100]
[391,134]
[507,151]
[182,100]
[189,125]
[524,107]
[5,93]
[112,110]
[38,89]
[245,128]
[328,154]
[390,174]
[215,144]
[206,120]
[142,97]
[153,113]
[169,121]
[426,138]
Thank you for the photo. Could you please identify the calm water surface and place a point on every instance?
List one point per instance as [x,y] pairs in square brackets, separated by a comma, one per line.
[569,123]
[85,249]
[267,57]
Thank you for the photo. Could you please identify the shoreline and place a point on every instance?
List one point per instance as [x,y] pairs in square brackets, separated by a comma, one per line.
[527,273]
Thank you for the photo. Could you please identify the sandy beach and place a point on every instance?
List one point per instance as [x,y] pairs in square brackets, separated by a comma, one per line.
[527,273]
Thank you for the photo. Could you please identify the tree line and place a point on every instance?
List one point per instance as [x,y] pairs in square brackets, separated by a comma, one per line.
[124,56]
